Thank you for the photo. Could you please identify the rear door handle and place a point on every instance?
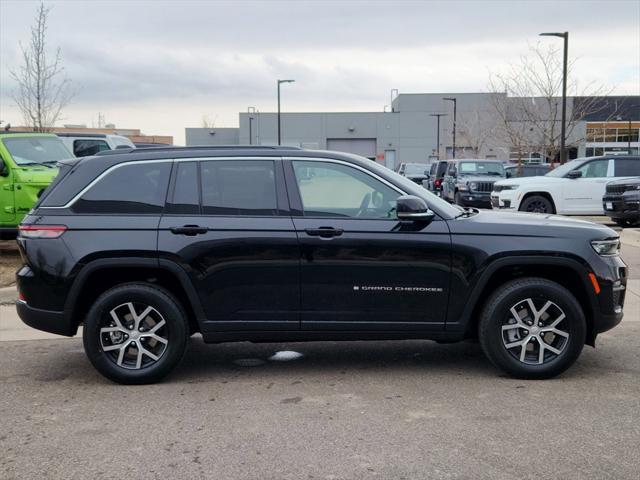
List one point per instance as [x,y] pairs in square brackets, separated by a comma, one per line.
[189,230]
[324,232]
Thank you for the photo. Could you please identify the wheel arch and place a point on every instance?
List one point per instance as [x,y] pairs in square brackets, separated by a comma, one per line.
[565,271]
[548,195]
[99,275]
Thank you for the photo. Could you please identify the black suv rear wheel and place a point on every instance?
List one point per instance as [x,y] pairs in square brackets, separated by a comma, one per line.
[532,328]
[135,333]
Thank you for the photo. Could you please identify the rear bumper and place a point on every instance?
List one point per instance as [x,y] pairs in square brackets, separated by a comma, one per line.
[45,320]
[8,233]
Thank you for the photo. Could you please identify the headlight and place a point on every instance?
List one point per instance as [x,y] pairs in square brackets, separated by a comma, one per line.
[502,188]
[606,247]
[473,186]
[463,186]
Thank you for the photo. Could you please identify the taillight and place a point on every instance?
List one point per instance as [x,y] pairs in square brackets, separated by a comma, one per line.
[438,182]
[41,231]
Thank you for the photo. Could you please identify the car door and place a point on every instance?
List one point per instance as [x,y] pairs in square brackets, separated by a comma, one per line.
[7,202]
[449,182]
[583,195]
[227,224]
[360,267]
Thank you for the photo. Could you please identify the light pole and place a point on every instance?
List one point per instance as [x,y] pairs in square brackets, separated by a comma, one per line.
[438,115]
[455,102]
[565,36]
[280,82]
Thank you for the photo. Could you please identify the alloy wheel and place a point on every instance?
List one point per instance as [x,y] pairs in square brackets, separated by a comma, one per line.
[535,331]
[134,335]
[537,206]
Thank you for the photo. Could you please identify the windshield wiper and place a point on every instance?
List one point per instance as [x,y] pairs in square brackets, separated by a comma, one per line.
[44,164]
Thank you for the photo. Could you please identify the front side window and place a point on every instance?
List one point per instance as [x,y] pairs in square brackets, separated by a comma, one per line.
[85,148]
[336,190]
[595,169]
[238,187]
[128,189]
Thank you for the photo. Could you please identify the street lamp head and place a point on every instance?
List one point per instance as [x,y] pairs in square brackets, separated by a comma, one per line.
[554,34]
[286,81]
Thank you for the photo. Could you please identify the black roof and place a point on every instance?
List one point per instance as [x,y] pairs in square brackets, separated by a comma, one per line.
[196,149]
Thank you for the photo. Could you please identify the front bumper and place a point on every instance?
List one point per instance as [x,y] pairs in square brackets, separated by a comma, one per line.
[622,207]
[475,199]
[45,320]
[506,199]
[612,278]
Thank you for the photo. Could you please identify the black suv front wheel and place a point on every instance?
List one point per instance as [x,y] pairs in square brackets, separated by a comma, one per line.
[135,333]
[532,328]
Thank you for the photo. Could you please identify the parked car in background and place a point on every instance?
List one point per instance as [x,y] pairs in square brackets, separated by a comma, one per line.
[621,201]
[519,171]
[436,176]
[276,244]
[416,172]
[468,182]
[575,188]
[27,167]
[86,144]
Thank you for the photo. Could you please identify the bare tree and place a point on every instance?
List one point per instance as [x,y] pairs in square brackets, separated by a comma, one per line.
[207,122]
[530,107]
[43,90]
[477,130]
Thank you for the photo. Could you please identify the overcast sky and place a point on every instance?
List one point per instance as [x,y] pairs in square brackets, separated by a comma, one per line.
[163,65]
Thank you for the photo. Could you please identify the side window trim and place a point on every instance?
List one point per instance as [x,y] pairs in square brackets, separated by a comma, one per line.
[295,199]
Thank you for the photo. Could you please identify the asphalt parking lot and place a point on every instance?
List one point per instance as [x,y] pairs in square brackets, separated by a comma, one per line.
[389,410]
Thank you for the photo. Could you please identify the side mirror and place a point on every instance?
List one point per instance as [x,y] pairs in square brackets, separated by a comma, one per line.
[508,174]
[414,209]
[573,174]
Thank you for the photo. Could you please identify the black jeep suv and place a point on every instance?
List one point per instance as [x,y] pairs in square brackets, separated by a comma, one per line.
[146,247]
[621,202]
[469,182]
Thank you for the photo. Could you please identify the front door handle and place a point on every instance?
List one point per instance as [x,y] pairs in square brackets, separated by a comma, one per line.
[189,230]
[324,232]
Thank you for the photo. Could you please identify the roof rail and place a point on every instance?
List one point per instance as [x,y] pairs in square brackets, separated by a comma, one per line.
[160,148]
[82,135]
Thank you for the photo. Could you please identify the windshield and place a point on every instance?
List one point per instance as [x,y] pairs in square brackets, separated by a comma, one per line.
[36,150]
[481,168]
[415,169]
[562,170]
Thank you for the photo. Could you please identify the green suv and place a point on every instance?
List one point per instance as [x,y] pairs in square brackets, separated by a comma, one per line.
[27,167]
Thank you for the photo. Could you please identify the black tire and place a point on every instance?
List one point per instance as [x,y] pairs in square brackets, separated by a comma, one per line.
[627,223]
[174,330]
[537,204]
[497,313]
[458,199]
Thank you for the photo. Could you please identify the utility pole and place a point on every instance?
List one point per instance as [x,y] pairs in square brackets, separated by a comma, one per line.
[455,102]
[438,115]
[279,83]
[565,36]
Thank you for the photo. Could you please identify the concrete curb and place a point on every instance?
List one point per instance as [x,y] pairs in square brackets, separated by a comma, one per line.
[8,294]
[630,236]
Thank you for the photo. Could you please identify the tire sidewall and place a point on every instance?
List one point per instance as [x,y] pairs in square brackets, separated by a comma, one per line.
[533,198]
[498,310]
[177,333]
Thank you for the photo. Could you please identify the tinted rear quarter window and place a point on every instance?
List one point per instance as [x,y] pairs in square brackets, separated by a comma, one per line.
[128,189]
[238,187]
[627,167]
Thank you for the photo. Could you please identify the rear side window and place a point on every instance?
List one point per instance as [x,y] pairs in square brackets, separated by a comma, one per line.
[129,189]
[84,148]
[238,187]
[627,167]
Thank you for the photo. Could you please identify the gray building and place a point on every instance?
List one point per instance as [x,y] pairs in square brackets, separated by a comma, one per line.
[409,132]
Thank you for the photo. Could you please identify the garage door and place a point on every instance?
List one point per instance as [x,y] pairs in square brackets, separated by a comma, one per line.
[360,146]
